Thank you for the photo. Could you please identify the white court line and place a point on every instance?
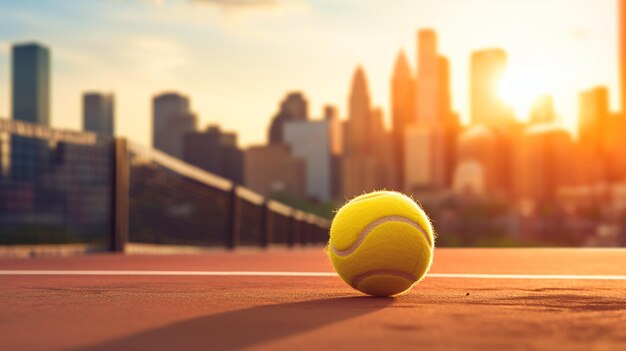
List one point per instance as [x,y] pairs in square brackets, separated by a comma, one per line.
[527,276]
[298,274]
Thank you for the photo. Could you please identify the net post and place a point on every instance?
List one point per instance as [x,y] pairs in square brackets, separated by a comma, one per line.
[266,225]
[317,229]
[295,227]
[310,237]
[315,232]
[324,231]
[120,195]
[291,228]
[304,229]
[234,219]
[310,230]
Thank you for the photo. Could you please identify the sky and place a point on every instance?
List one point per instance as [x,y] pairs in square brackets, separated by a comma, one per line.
[236,59]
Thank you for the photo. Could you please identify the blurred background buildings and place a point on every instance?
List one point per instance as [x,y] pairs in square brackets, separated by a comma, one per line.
[494,182]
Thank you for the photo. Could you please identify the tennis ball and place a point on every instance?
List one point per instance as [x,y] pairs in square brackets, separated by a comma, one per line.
[381,243]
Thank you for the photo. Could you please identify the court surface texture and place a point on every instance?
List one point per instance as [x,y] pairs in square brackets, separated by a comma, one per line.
[290,299]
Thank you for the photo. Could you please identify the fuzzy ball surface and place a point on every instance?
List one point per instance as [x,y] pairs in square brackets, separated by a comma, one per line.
[381,243]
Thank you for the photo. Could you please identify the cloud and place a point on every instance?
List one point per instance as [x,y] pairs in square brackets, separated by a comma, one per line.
[241,4]
[237,17]
[226,5]
[234,12]
[157,59]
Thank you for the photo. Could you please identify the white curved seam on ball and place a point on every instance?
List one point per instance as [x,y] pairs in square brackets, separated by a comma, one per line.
[369,197]
[393,272]
[375,224]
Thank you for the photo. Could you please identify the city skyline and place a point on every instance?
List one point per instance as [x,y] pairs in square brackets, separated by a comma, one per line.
[323,79]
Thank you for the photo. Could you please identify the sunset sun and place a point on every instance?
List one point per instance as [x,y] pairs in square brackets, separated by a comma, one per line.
[521,86]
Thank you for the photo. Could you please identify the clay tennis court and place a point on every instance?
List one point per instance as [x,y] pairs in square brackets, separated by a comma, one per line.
[283,299]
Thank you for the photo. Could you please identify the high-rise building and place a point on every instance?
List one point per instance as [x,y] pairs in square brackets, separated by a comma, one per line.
[546,170]
[622,53]
[469,178]
[366,146]
[428,78]
[336,148]
[593,118]
[437,126]
[311,141]
[272,170]
[214,151]
[31,83]
[336,138]
[358,128]
[382,150]
[4,155]
[542,111]
[448,127]
[403,111]
[30,103]
[293,108]
[487,148]
[601,139]
[98,113]
[172,119]
[546,165]
[330,112]
[617,124]
[446,116]
[487,70]
[359,175]
[614,145]
[419,142]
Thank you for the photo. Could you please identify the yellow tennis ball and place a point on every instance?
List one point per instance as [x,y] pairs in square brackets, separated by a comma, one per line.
[381,243]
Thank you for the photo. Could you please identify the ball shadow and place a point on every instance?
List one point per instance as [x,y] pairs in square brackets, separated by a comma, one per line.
[237,329]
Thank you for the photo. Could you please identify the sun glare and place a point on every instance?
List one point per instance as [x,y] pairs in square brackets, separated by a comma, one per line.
[521,86]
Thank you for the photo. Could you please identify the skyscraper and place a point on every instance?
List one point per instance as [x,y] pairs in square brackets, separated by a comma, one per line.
[359,116]
[171,120]
[615,143]
[545,165]
[382,150]
[593,118]
[449,128]
[487,148]
[622,53]
[98,115]
[546,170]
[331,115]
[487,70]
[272,170]
[436,156]
[436,129]
[31,103]
[366,158]
[593,157]
[293,108]
[445,108]
[336,130]
[614,146]
[4,155]
[330,112]
[311,141]
[403,110]
[214,151]
[428,79]
[419,142]
[31,83]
